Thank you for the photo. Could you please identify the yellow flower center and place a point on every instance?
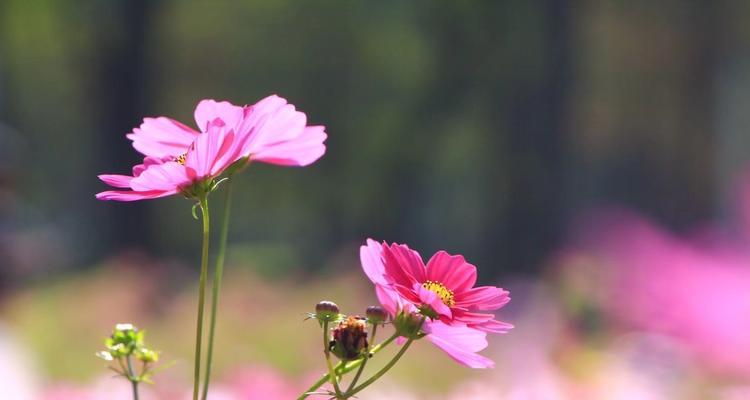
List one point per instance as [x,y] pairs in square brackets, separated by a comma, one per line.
[181,159]
[445,294]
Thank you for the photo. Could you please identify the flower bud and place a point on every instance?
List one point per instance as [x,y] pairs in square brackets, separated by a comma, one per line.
[326,311]
[409,325]
[350,339]
[146,355]
[376,315]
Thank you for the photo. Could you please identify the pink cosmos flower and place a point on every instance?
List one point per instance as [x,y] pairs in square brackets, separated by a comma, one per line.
[459,340]
[208,156]
[443,289]
[270,131]
[180,159]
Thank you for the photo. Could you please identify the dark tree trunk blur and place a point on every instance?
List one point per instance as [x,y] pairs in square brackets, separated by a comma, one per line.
[120,91]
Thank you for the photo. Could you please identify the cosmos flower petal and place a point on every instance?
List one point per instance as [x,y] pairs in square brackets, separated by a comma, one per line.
[431,299]
[223,113]
[162,137]
[302,151]
[118,181]
[452,271]
[129,195]
[483,298]
[494,326]
[461,343]
[370,256]
[169,176]
[389,299]
[403,264]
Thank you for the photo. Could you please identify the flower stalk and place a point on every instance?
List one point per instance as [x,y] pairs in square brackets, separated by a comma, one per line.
[343,368]
[387,367]
[216,286]
[203,203]
[364,360]
[132,378]
[327,351]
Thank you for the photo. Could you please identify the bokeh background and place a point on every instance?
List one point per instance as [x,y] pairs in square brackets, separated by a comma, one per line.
[589,156]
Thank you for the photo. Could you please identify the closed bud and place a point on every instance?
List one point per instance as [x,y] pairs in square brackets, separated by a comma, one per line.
[376,315]
[326,311]
[350,339]
[409,325]
[146,355]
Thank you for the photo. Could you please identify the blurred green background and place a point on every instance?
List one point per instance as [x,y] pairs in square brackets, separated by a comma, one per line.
[480,127]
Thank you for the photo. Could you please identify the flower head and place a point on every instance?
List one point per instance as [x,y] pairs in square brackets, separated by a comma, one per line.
[441,294]
[180,159]
[350,338]
[443,289]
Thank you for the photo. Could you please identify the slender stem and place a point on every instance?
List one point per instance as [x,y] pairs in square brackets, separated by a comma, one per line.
[344,369]
[201,297]
[133,379]
[218,273]
[331,371]
[364,362]
[387,366]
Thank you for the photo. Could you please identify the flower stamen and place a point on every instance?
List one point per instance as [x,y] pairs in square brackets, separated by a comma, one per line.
[181,158]
[445,294]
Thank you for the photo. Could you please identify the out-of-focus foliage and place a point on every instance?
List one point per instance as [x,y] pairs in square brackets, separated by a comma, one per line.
[485,125]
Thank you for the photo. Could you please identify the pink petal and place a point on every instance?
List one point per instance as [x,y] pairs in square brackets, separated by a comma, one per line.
[162,137]
[273,121]
[403,265]
[370,256]
[127,195]
[452,271]
[169,176]
[118,181]
[483,298]
[433,300]
[209,111]
[301,151]
[494,326]
[462,316]
[389,299]
[147,162]
[461,343]
[207,157]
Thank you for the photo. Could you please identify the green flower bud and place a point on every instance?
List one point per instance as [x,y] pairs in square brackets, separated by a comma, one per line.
[146,355]
[409,325]
[350,339]
[326,311]
[376,315]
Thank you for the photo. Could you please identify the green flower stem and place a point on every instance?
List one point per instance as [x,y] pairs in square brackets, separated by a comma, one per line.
[201,297]
[345,368]
[331,371]
[364,361]
[218,273]
[387,366]
[133,379]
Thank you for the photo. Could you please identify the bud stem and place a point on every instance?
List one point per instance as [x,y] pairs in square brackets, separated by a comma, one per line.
[218,273]
[133,379]
[387,366]
[364,361]
[331,372]
[345,368]
[201,296]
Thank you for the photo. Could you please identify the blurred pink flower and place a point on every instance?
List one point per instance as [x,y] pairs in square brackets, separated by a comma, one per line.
[459,340]
[693,290]
[179,159]
[445,286]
